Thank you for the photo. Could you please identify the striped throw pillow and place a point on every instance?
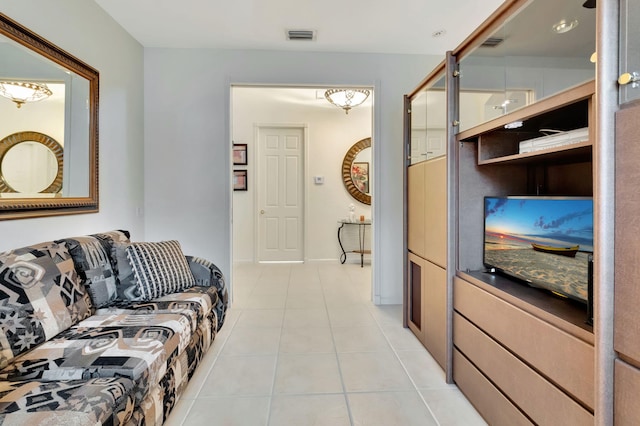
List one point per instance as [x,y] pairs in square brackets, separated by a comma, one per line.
[159,268]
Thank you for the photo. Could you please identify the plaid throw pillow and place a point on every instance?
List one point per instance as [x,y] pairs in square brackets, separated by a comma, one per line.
[159,268]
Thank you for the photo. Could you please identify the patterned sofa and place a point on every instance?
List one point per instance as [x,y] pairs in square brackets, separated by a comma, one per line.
[101,330]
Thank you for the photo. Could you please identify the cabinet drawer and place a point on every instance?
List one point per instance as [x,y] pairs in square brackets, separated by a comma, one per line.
[489,401]
[626,410]
[564,359]
[544,403]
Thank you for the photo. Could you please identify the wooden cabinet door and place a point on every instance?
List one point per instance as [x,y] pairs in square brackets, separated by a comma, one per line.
[627,238]
[434,303]
[435,211]
[415,209]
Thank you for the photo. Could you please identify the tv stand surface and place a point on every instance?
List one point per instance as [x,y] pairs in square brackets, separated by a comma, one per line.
[566,314]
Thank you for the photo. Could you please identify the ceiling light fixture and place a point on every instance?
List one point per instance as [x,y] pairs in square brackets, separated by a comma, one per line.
[514,125]
[505,104]
[346,98]
[21,92]
[564,26]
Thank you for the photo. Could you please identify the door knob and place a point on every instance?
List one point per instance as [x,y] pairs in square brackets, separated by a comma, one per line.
[261,211]
[627,78]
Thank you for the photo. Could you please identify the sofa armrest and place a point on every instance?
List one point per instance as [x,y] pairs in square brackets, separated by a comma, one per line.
[209,275]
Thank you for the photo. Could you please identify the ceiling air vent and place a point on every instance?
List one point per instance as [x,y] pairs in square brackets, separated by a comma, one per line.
[301,35]
[492,42]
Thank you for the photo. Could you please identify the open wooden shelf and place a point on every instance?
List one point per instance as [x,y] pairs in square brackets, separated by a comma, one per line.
[578,152]
[552,104]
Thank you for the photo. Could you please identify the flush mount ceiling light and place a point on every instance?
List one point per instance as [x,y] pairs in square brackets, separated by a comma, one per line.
[564,26]
[21,92]
[346,98]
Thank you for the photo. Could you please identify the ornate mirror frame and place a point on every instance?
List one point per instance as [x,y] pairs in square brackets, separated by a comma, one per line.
[349,158]
[18,208]
[17,138]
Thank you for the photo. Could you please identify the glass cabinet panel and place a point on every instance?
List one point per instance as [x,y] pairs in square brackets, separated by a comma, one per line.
[418,128]
[543,49]
[429,123]
[629,48]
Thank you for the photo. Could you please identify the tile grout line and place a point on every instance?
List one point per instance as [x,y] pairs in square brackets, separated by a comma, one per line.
[335,350]
[192,401]
[395,353]
[275,370]
[213,363]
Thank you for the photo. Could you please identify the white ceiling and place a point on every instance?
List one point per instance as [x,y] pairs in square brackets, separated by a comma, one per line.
[367,26]
[370,26]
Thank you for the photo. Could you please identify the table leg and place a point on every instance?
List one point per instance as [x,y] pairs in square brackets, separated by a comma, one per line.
[361,229]
[343,256]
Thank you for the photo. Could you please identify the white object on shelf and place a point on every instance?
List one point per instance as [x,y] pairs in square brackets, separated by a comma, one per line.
[553,141]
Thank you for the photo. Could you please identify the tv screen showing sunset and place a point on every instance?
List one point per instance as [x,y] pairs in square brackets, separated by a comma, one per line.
[544,241]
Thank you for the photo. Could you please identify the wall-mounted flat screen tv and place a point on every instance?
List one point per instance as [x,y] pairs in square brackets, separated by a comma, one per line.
[545,241]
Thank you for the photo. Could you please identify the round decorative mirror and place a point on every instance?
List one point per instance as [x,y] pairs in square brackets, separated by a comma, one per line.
[30,162]
[355,171]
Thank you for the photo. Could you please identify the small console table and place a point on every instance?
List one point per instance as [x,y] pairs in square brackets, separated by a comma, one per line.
[362,225]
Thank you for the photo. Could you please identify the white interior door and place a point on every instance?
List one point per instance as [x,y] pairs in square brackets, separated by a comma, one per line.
[435,143]
[280,194]
[418,145]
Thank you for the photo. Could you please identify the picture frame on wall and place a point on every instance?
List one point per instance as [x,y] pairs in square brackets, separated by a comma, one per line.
[240,154]
[239,180]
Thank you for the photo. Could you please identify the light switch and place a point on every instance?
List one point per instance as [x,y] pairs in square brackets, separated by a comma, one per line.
[318,180]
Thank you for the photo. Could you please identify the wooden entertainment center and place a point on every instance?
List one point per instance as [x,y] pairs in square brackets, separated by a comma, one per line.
[519,351]
[520,354]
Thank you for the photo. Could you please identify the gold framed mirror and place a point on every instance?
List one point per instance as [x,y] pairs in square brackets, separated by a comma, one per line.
[356,173]
[31,162]
[66,114]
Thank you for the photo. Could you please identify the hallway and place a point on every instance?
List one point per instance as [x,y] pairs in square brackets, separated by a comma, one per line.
[303,345]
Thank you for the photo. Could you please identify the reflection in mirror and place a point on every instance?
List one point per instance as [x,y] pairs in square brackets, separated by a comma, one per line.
[29,167]
[527,59]
[30,163]
[67,116]
[356,171]
[429,123]
[360,171]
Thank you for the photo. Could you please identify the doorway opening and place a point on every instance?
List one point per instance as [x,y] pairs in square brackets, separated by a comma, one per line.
[292,143]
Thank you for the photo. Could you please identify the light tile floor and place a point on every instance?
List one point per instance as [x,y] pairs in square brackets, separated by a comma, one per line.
[304,345]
